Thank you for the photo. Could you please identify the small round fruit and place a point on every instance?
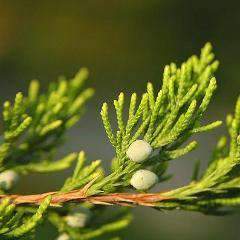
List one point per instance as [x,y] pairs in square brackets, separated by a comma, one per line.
[139,151]
[78,217]
[63,236]
[143,179]
[7,179]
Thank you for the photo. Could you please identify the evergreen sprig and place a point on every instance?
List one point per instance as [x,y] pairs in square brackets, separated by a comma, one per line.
[35,125]
[157,129]
[169,119]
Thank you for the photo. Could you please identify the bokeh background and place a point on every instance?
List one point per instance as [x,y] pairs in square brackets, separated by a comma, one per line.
[124,44]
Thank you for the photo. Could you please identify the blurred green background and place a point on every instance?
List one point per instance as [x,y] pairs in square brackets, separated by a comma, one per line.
[124,44]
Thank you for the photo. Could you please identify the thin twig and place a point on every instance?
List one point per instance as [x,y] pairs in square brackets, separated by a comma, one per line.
[129,199]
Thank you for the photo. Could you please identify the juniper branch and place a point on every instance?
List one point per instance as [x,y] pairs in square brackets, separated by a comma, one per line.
[157,126]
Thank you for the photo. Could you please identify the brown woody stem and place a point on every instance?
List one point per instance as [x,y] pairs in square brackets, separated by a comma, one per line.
[124,199]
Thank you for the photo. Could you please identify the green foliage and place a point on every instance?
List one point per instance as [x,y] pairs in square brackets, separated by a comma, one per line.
[166,119]
[14,225]
[94,230]
[83,174]
[170,118]
[34,126]
[219,185]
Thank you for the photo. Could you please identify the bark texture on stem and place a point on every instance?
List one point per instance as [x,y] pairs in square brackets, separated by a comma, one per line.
[124,199]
